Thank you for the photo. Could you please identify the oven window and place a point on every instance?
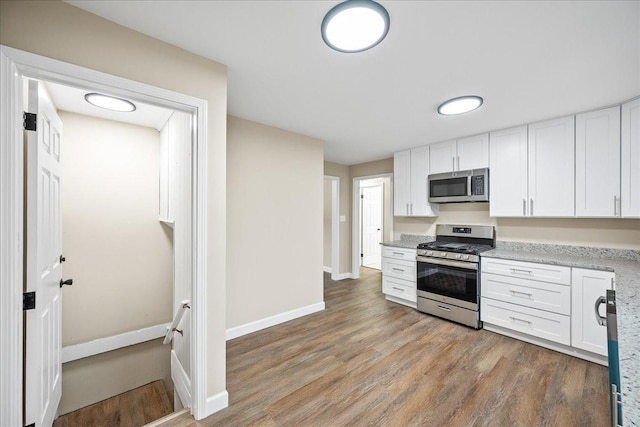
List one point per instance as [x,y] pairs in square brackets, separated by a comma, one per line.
[448,281]
[448,187]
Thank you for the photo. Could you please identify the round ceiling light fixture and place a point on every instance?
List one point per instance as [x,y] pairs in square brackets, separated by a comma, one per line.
[109,102]
[460,105]
[355,26]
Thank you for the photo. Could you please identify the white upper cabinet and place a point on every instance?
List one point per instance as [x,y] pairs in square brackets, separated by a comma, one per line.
[551,168]
[442,157]
[410,171]
[598,163]
[630,182]
[401,182]
[473,152]
[466,153]
[508,172]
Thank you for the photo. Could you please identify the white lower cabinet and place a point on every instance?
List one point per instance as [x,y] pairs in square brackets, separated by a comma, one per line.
[589,291]
[558,307]
[399,275]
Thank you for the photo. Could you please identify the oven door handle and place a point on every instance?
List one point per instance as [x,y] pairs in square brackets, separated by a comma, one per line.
[446,262]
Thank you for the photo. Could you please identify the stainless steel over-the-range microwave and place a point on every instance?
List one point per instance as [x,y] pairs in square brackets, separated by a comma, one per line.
[460,186]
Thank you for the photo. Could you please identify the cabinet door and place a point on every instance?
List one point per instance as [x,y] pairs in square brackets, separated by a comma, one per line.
[418,204]
[401,182]
[598,163]
[508,172]
[587,287]
[473,152]
[551,168]
[630,197]
[442,157]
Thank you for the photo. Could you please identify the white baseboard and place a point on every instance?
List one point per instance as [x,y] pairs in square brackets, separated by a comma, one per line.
[327,269]
[248,328]
[114,342]
[343,276]
[181,380]
[217,402]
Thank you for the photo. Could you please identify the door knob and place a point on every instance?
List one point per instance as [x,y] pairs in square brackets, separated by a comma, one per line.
[62,259]
[66,282]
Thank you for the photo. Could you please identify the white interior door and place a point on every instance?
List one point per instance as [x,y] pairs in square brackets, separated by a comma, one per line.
[372,226]
[43,264]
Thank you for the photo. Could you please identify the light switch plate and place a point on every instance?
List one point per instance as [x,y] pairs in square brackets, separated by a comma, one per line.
[343,218]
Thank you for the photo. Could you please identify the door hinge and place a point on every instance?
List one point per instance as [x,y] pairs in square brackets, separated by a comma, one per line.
[361,255]
[30,120]
[362,196]
[28,300]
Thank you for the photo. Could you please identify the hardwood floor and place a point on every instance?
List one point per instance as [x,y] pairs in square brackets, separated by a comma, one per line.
[366,361]
[133,408]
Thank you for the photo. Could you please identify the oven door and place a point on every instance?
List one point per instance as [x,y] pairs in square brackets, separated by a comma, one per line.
[447,281]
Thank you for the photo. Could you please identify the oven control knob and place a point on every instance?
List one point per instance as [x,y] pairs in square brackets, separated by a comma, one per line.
[443,254]
[465,257]
[458,256]
[429,253]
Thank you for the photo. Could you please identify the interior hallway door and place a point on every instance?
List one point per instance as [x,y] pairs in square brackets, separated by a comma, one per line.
[43,365]
[371,233]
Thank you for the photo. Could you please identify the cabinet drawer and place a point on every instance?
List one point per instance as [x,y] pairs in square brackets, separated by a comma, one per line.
[399,253]
[550,326]
[399,269]
[399,288]
[529,293]
[527,270]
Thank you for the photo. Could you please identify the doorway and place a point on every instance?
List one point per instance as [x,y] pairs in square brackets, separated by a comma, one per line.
[17,64]
[364,189]
[331,226]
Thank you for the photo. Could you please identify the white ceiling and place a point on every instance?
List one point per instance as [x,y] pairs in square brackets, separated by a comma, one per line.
[72,99]
[529,60]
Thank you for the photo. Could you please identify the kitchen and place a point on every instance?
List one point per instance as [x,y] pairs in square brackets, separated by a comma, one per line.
[505,57]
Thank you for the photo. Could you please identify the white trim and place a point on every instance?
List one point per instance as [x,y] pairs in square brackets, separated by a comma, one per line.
[181,381]
[217,402]
[335,225]
[355,219]
[20,63]
[267,322]
[11,189]
[326,269]
[114,342]
[571,351]
[343,276]
[161,421]
[382,205]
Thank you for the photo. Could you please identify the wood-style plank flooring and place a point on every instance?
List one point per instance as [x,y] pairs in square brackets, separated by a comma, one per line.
[367,361]
[133,408]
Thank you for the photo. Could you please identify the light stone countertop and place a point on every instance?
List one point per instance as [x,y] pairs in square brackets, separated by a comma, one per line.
[409,241]
[626,265]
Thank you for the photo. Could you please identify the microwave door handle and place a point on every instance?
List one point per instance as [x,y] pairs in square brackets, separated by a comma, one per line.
[469,186]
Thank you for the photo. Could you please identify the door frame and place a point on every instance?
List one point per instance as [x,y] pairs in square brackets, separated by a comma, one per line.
[355,225]
[14,65]
[382,204]
[335,225]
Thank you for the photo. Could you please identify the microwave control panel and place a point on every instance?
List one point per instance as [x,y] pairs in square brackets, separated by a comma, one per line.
[477,185]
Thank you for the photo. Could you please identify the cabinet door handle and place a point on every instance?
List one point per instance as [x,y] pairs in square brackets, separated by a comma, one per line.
[520,270]
[602,321]
[458,157]
[441,307]
[531,207]
[398,253]
[411,207]
[407,208]
[398,289]
[524,207]
[397,269]
[516,293]
[515,319]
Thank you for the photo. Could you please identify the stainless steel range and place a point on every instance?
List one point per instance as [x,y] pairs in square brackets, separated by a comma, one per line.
[448,272]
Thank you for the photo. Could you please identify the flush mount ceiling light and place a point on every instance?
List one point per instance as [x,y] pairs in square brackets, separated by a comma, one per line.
[109,102]
[355,26]
[460,105]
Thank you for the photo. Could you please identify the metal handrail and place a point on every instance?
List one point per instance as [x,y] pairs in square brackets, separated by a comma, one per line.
[184,304]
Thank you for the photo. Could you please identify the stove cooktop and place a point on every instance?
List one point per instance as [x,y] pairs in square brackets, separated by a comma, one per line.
[461,248]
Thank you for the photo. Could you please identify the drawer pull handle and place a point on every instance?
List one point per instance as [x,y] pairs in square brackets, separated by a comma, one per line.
[398,289]
[397,269]
[398,253]
[520,270]
[516,293]
[602,321]
[515,319]
[441,307]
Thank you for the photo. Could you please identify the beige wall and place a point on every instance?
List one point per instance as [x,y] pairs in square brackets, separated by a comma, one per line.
[61,31]
[274,210]
[119,255]
[609,233]
[326,223]
[343,172]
